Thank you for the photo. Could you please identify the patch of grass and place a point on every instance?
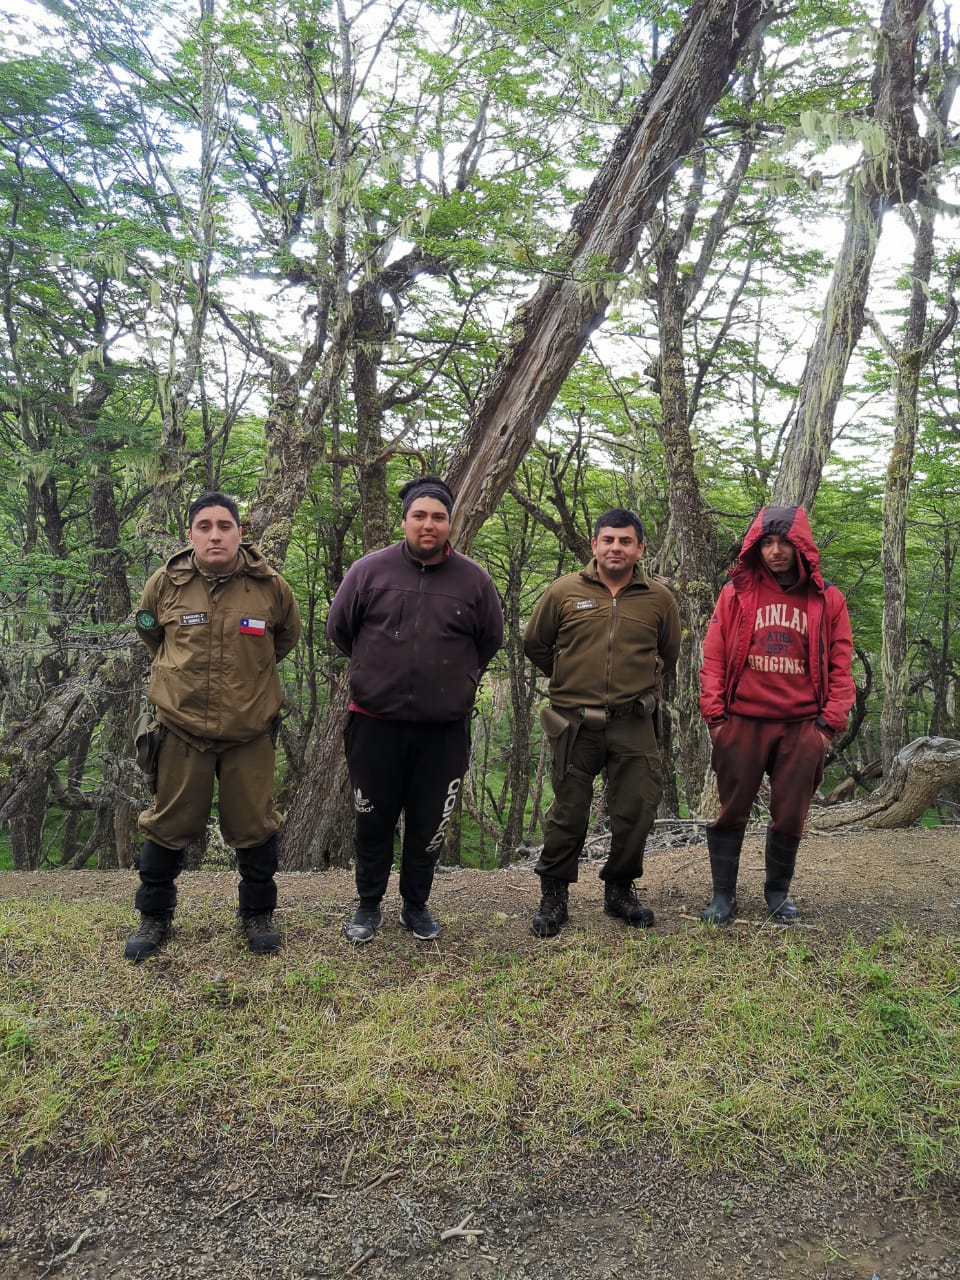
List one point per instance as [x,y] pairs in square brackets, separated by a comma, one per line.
[740,1047]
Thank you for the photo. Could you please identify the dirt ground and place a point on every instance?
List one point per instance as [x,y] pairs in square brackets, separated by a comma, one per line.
[288,1214]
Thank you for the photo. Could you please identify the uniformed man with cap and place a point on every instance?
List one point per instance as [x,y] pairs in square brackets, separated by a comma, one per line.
[217,618]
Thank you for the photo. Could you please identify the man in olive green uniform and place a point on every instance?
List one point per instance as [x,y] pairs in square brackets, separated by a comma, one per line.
[217,619]
[605,636]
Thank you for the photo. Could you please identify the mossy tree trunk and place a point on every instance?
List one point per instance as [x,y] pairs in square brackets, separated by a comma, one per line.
[889,174]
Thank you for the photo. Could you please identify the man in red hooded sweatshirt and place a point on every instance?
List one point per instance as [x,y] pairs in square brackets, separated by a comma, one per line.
[775,687]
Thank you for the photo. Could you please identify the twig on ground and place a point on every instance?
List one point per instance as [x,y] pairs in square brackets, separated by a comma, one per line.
[68,1253]
[389,1176]
[365,1257]
[232,1205]
[461,1229]
[347,1163]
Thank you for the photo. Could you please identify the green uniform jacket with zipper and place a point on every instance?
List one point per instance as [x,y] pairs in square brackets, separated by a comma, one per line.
[601,650]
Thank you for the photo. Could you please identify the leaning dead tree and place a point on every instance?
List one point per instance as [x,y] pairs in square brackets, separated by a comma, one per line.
[552,329]
[922,771]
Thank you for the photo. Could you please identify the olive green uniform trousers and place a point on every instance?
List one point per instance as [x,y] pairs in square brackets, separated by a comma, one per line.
[627,748]
[185,783]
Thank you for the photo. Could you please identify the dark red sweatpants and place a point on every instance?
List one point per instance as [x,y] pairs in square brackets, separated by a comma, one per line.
[791,752]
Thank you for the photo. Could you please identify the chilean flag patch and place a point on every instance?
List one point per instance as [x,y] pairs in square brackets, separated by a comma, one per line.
[253,627]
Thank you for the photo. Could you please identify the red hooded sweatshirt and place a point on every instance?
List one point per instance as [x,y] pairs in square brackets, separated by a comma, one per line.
[778,653]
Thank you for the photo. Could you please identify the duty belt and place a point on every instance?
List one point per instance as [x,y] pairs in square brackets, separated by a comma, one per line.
[599,715]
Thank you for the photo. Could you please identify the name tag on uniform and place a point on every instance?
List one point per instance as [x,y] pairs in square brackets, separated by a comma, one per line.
[193,619]
[585,604]
[253,627]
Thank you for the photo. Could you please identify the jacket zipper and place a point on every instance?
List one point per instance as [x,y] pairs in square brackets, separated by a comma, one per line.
[608,673]
[399,627]
[416,632]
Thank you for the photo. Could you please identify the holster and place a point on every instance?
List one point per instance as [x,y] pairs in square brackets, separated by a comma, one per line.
[593,717]
[147,737]
[561,730]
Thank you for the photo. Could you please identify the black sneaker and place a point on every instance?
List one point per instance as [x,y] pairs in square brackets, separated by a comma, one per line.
[620,900]
[420,922]
[262,938]
[553,914]
[151,934]
[364,924]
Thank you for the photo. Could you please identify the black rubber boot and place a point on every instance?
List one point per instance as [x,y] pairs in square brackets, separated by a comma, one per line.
[780,857]
[552,915]
[257,894]
[724,845]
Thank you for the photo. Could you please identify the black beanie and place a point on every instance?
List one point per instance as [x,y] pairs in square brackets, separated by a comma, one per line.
[426,487]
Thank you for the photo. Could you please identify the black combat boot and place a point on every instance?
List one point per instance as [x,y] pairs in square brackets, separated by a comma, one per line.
[151,934]
[258,896]
[552,915]
[780,858]
[620,900]
[724,845]
[262,938]
[156,899]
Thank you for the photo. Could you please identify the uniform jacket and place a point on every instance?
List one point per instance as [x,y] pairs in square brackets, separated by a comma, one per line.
[829,638]
[418,635]
[599,649]
[215,645]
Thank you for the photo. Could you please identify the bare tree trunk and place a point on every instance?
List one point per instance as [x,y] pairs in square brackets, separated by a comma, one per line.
[884,179]
[370,333]
[919,774]
[318,832]
[523,695]
[536,797]
[554,326]
[915,350]
[692,538]
[173,454]
[48,735]
[70,832]
[943,672]
[26,826]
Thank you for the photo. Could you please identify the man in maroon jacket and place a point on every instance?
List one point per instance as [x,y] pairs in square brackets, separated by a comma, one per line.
[419,622]
[775,687]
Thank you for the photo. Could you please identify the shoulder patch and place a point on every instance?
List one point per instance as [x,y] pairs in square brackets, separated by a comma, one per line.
[146,620]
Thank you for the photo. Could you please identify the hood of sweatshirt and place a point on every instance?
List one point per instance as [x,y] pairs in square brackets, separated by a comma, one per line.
[786,522]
